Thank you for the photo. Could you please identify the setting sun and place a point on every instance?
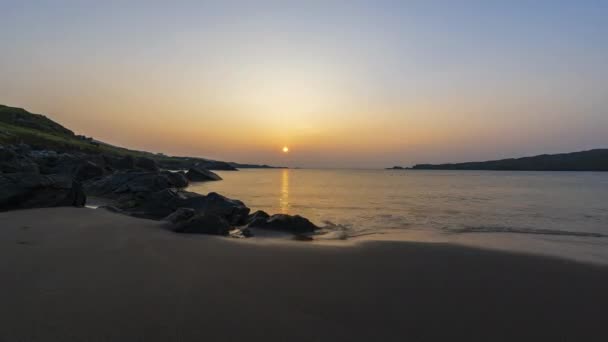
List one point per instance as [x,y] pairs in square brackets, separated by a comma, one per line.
[285,149]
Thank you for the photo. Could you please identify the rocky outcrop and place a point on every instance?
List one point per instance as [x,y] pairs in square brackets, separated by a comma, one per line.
[257,219]
[190,221]
[31,190]
[132,182]
[119,163]
[147,164]
[179,178]
[197,174]
[88,170]
[282,222]
[165,202]
[12,161]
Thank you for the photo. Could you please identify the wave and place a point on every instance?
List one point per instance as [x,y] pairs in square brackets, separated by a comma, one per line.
[499,229]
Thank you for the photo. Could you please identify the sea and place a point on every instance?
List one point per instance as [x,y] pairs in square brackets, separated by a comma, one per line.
[558,214]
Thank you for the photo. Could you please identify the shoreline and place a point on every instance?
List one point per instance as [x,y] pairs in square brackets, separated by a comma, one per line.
[80,274]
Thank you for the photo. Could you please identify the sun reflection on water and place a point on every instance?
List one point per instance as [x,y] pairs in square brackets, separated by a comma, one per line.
[284,199]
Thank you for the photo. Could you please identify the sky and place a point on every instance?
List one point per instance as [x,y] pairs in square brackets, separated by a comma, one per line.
[364,84]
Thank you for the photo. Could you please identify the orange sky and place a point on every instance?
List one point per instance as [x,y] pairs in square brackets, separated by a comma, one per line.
[364,86]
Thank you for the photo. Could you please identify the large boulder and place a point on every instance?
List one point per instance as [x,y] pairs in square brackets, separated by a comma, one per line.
[179,178]
[131,182]
[197,174]
[12,160]
[146,164]
[235,211]
[30,190]
[120,163]
[163,203]
[287,223]
[257,219]
[88,170]
[186,220]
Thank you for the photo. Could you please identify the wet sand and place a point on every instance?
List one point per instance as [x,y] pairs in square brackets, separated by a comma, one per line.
[90,275]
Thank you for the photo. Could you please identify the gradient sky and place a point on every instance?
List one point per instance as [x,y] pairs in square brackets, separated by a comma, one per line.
[342,83]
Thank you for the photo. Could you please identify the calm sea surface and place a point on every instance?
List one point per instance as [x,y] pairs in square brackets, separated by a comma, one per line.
[555,213]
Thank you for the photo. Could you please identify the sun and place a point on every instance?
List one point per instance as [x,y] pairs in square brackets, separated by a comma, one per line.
[285,149]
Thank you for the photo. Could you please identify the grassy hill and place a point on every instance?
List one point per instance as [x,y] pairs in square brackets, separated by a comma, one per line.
[20,126]
[592,160]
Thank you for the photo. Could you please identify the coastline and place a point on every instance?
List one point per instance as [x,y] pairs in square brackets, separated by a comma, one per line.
[82,274]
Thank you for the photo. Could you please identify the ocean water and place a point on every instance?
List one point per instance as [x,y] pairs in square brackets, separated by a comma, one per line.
[556,213]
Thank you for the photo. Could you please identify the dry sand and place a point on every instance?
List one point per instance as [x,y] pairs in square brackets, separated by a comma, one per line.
[90,275]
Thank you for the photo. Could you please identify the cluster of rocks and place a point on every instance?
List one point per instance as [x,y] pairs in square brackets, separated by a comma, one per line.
[136,186]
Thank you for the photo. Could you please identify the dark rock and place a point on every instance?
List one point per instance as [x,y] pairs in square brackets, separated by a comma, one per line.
[180,215]
[124,163]
[88,170]
[287,223]
[179,178]
[196,174]
[258,218]
[191,222]
[151,205]
[240,233]
[12,161]
[51,162]
[302,237]
[163,203]
[146,164]
[232,210]
[246,232]
[30,190]
[131,182]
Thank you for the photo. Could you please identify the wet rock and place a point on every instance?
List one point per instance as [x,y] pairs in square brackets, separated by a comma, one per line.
[30,190]
[257,219]
[192,222]
[180,215]
[161,204]
[234,211]
[196,174]
[286,223]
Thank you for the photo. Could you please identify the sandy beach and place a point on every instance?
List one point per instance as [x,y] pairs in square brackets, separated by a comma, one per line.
[90,275]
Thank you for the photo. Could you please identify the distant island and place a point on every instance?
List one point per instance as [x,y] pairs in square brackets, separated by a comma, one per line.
[592,160]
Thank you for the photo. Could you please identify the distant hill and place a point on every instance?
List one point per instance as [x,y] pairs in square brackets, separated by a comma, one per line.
[17,125]
[21,117]
[592,160]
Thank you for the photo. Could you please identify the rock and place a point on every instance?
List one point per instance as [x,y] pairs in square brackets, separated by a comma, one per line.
[240,233]
[146,164]
[30,190]
[117,163]
[180,215]
[51,162]
[287,223]
[12,161]
[192,222]
[258,218]
[196,174]
[232,210]
[179,178]
[165,202]
[131,182]
[88,170]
